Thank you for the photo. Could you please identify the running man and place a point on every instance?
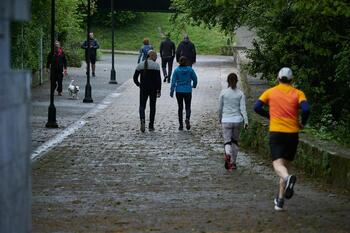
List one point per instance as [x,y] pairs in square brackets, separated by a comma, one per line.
[90,49]
[283,101]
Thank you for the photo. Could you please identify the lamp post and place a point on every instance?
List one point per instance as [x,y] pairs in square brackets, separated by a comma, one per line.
[88,98]
[51,123]
[113,78]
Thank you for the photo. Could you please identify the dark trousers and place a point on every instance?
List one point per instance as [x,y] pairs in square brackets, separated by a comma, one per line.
[144,94]
[181,98]
[57,81]
[167,61]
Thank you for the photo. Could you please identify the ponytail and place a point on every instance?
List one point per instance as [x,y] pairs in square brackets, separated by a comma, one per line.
[145,67]
[232,80]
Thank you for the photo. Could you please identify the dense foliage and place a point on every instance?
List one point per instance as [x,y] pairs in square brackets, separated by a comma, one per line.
[104,19]
[312,37]
[25,37]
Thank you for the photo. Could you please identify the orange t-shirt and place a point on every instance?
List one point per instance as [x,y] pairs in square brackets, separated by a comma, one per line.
[283,101]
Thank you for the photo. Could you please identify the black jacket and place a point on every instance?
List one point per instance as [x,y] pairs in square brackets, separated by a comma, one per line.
[58,61]
[188,50]
[150,77]
[167,49]
[92,46]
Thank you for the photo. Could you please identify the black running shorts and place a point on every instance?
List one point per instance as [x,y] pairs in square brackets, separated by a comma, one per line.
[283,145]
[92,59]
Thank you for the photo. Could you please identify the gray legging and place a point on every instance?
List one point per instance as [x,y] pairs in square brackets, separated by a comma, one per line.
[231,133]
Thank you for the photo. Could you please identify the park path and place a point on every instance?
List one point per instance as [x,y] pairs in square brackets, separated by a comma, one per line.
[109,177]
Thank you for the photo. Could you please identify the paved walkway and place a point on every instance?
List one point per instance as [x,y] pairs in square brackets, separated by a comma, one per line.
[109,177]
[68,111]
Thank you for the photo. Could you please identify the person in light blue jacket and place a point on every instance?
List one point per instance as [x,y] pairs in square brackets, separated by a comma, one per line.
[184,79]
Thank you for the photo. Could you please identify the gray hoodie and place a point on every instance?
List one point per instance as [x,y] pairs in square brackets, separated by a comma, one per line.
[232,107]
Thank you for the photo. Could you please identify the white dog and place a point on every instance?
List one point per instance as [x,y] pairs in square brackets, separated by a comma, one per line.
[73,90]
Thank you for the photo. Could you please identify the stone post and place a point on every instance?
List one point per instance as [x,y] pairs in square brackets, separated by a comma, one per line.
[15,172]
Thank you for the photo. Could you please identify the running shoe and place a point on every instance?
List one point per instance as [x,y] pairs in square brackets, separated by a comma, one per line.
[228,165]
[151,128]
[278,204]
[187,122]
[290,182]
[143,126]
[234,166]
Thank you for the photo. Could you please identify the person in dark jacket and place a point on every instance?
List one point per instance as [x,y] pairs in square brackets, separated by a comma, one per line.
[184,79]
[167,53]
[150,87]
[187,49]
[146,47]
[91,47]
[58,64]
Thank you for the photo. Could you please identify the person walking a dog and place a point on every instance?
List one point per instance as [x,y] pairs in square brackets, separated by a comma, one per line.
[58,64]
[150,87]
[91,47]
[284,102]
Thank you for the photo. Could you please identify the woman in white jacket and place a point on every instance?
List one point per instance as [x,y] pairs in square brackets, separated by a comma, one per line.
[232,114]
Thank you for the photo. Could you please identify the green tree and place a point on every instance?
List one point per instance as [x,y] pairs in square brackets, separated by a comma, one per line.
[312,37]
[26,36]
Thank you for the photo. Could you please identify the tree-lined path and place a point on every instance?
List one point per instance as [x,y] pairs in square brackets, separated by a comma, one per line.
[109,177]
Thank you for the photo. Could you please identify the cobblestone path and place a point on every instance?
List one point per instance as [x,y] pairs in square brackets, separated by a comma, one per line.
[109,177]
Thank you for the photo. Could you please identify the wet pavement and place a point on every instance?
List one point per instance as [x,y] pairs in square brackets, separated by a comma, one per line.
[106,176]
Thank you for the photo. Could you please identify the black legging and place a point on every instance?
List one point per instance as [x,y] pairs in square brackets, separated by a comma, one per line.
[57,81]
[181,97]
[169,61]
[144,94]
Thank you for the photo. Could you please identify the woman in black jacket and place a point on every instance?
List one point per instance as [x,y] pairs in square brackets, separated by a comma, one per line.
[150,86]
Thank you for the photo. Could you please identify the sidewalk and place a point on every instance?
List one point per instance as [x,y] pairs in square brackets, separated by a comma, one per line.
[69,111]
[109,177]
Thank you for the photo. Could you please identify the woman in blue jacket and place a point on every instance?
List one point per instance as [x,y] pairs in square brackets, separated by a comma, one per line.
[184,79]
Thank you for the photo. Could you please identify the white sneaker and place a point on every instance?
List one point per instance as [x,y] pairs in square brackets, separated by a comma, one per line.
[278,204]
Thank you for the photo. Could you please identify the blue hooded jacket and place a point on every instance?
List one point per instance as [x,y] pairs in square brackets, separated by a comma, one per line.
[181,80]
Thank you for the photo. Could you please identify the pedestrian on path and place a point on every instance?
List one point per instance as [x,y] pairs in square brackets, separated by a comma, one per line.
[167,53]
[184,79]
[150,87]
[283,102]
[91,47]
[187,49]
[58,64]
[146,47]
[232,113]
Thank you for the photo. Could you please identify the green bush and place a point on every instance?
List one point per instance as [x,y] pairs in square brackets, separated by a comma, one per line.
[26,37]
[311,37]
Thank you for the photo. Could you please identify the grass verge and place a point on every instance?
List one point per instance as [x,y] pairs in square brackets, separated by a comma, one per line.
[153,26]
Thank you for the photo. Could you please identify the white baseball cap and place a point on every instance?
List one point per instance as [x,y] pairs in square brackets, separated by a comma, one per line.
[285,72]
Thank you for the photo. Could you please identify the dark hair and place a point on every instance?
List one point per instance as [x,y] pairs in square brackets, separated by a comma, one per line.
[285,80]
[232,80]
[183,61]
